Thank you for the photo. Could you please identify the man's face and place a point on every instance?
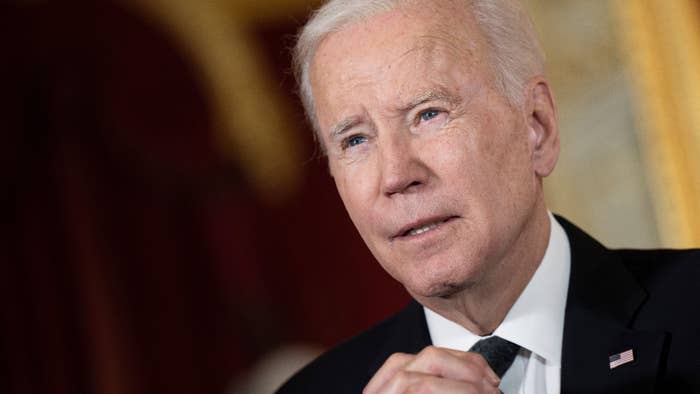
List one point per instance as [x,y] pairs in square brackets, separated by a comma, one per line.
[433,164]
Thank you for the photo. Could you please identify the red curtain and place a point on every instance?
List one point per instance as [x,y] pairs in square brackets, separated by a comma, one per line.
[135,258]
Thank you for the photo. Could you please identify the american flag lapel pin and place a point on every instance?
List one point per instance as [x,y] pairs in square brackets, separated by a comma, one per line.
[621,358]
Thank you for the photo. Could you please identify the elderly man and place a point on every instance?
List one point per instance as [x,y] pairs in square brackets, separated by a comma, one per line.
[439,126]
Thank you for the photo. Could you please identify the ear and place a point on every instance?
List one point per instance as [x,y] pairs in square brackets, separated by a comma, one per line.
[544,128]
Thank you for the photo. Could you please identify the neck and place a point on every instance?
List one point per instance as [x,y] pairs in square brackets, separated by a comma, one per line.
[480,308]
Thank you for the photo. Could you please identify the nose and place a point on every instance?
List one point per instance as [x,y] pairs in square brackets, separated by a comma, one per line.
[402,169]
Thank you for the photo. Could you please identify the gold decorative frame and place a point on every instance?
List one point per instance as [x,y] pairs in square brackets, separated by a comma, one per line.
[661,40]
[251,118]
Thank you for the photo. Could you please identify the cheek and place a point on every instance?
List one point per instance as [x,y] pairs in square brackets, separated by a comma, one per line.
[355,191]
[455,158]
[485,163]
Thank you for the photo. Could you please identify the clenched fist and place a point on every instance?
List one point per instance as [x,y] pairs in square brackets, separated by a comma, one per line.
[434,370]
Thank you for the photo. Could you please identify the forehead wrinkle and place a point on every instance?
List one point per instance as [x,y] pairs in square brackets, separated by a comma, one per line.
[422,55]
[427,44]
[456,43]
[448,26]
[436,52]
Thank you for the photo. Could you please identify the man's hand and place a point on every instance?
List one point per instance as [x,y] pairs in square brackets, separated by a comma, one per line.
[434,370]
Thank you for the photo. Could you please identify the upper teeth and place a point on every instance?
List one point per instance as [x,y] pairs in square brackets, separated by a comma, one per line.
[423,229]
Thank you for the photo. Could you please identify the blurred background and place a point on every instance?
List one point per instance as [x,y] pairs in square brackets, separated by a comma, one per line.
[169,227]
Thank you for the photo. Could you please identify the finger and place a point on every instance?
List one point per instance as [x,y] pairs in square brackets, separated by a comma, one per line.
[418,382]
[453,364]
[391,366]
[479,359]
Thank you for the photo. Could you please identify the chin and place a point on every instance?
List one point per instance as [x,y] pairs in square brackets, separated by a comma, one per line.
[444,278]
[446,290]
[436,288]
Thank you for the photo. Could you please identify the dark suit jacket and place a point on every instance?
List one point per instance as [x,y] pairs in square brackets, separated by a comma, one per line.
[647,301]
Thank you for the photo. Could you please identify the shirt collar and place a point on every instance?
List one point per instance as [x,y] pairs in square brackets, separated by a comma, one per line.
[536,320]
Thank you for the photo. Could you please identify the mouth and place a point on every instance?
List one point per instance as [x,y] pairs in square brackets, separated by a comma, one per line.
[422,226]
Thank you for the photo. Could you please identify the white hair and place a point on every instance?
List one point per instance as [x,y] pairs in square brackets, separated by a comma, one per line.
[514,49]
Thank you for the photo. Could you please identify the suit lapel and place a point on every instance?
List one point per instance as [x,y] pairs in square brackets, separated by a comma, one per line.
[408,334]
[602,301]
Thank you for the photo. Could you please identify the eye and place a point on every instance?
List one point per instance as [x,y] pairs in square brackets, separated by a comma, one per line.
[428,114]
[353,140]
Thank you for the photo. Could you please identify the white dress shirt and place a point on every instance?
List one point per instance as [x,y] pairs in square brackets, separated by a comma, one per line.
[535,322]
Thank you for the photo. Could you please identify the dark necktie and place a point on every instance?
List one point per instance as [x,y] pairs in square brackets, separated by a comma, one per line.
[498,352]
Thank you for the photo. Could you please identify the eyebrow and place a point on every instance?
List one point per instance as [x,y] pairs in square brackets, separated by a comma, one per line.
[439,94]
[344,125]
